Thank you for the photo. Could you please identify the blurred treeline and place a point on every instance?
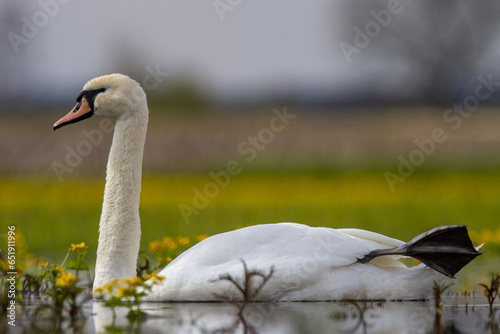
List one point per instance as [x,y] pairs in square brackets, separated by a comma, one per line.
[394,53]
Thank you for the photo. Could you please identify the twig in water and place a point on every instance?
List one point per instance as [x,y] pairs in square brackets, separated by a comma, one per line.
[438,291]
[245,287]
[491,291]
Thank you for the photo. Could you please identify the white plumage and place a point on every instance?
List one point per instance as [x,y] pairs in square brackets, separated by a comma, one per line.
[309,264]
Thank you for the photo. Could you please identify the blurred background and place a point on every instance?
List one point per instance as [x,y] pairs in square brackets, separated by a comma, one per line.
[392,115]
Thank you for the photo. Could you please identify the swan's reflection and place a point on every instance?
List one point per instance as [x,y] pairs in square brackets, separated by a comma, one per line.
[317,317]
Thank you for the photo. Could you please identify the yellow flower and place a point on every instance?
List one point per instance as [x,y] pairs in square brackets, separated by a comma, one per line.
[497,236]
[168,243]
[154,246]
[133,281]
[123,291]
[56,268]
[201,237]
[169,259]
[480,237]
[154,277]
[43,265]
[66,280]
[108,287]
[77,246]
[184,242]
[98,290]
[32,260]
[19,270]
[486,236]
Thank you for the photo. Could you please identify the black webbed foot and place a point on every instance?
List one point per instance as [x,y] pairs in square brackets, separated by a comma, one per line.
[446,249]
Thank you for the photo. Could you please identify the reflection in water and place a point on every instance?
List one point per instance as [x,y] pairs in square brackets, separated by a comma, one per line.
[317,317]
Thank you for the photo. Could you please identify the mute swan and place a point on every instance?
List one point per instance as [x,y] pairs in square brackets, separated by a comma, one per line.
[309,263]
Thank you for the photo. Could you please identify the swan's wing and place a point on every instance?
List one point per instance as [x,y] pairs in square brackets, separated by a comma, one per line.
[300,255]
[372,236]
[273,243]
[388,261]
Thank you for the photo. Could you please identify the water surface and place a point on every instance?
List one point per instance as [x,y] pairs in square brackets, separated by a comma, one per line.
[460,314]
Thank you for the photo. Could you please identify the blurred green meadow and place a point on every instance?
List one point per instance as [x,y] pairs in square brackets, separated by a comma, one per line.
[321,171]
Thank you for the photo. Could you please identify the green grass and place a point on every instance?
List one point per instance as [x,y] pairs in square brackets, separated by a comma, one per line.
[53,214]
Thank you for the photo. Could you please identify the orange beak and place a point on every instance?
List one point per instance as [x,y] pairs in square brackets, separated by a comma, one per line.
[80,112]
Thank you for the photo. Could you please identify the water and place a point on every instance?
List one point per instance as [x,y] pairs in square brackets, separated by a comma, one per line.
[460,314]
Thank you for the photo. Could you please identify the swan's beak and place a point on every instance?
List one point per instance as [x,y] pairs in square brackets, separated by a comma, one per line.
[80,112]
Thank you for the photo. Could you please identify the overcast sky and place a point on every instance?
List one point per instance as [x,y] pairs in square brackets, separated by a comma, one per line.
[50,48]
[239,46]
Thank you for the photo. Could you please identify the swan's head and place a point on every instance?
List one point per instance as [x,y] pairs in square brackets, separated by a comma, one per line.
[114,96]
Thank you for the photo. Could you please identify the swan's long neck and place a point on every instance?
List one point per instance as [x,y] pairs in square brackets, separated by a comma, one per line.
[120,227]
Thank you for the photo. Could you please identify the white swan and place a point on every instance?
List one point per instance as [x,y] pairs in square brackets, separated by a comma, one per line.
[309,263]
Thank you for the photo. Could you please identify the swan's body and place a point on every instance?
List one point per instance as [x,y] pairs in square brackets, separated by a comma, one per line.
[309,263]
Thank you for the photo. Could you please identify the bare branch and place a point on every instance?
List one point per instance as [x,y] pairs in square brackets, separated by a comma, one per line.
[248,294]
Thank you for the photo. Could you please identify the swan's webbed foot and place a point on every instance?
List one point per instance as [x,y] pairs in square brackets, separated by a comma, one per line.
[446,249]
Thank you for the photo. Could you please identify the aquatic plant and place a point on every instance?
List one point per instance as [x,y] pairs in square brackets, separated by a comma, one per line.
[127,293]
[491,291]
[62,285]
[248,292]
[344,313]
[437,291]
